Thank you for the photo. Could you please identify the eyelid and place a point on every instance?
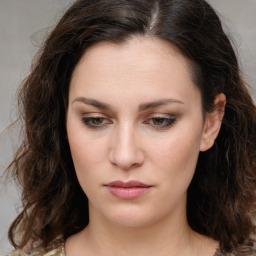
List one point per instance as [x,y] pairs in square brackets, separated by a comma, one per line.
[94,114]
[168,119]
[162,115]
[87,118]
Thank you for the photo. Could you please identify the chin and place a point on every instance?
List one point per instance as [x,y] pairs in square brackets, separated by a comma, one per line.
[131,217]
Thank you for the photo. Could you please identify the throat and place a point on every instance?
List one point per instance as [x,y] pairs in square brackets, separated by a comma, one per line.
[139,242]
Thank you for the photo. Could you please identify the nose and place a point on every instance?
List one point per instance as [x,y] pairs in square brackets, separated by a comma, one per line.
[125,151]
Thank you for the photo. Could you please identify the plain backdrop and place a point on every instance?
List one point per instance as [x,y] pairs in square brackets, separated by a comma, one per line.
[23,26]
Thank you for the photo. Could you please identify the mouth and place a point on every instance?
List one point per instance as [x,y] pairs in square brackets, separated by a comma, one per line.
[127,190]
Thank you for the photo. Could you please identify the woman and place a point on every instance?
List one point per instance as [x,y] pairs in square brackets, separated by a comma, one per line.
[139,136]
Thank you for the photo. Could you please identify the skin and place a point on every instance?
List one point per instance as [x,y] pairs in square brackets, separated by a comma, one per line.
[157,144]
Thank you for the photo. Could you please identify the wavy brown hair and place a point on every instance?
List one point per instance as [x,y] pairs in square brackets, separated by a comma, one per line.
[221,197]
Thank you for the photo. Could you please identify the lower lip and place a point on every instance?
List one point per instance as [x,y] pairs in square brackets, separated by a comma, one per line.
[127,193]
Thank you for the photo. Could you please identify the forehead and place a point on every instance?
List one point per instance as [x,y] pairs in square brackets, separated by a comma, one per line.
[143,51]
[147,66]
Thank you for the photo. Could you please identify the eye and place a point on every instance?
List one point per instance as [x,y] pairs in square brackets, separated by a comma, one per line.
[95,122]
[160,122]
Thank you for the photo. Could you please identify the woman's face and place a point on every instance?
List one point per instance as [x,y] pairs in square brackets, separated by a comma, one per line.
[135,115]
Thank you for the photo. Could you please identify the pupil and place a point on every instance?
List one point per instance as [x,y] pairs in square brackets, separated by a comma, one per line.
[98,121]
[158,121]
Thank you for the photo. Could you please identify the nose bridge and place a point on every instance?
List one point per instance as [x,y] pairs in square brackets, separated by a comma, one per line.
[126,151]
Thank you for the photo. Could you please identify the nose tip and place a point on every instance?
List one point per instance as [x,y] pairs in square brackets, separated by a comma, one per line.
[125,160]
[126,152]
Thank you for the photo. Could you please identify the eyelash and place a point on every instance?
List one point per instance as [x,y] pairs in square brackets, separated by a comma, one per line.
[168,122]
[88,122]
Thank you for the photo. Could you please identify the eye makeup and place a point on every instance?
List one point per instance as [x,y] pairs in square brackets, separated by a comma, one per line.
[160,122]
[157,122]
[96,122]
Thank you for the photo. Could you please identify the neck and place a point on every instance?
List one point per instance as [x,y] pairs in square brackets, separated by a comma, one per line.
[169,236]
[140,241]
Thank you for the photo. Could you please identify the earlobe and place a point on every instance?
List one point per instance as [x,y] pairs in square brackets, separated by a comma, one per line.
[213,121]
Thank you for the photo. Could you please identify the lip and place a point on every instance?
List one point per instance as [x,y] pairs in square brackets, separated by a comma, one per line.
[127,190]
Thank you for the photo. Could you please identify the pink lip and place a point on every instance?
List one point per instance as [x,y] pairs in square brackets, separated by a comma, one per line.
[127,190]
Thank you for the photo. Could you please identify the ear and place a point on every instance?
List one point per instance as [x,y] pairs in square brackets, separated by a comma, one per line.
[213,122]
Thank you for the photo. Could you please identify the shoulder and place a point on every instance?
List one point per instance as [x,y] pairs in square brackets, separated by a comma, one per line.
[58,250]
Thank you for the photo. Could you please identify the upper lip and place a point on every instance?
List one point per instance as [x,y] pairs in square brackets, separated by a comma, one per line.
[129,184]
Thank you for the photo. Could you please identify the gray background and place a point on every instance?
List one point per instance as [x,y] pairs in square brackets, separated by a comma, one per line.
[24,24]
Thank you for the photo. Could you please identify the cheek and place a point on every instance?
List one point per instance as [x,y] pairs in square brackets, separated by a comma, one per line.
[85,149]
[177,156]
[85,153]
[88,158]
[88,153]
[177,149]
[175,161]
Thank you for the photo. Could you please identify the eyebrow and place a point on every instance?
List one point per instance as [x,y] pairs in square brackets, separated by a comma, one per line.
[92,102]
[155,104]
[142,107]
